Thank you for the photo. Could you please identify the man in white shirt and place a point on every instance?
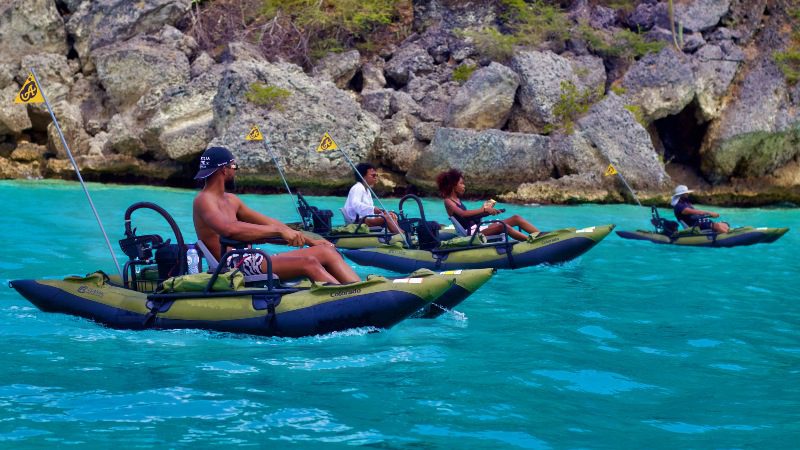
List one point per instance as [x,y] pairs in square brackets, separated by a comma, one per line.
[359,201]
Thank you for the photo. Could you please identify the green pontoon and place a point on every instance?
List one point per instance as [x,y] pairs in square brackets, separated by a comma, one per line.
[667,232]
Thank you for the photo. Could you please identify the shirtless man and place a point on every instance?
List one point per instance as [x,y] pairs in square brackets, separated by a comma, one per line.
[218,213]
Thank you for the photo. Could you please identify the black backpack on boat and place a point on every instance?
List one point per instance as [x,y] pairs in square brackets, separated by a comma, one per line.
[314,219]
[426,231]
[663,226]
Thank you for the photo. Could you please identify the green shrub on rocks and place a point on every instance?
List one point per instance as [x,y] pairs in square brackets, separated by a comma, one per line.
[572,104]
[462,73]
[267,95]
[638,114]
[535,22]
[624,44]
[789,63]
[525,24]
[299,31]
[491,43]
[789,60]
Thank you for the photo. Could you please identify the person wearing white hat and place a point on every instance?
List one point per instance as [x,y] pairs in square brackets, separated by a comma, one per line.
[687,214]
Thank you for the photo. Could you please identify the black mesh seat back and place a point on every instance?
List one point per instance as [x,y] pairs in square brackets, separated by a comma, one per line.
[428,236]
[664,226]
[168,261]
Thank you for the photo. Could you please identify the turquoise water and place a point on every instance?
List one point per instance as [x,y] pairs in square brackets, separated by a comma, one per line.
[632,345]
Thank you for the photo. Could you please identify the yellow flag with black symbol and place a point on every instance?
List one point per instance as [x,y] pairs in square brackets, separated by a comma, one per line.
[254,134]
[610,170]
[327,143]
[30,92]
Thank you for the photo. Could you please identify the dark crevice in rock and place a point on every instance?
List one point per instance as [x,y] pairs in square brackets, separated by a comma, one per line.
[681,136]
[147,157]
[357,82]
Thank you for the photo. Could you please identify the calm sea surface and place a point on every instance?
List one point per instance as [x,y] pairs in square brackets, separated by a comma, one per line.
[632,345]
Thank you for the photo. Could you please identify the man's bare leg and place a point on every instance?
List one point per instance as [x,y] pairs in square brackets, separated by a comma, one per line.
[720,227]
[288,267]
[326,256]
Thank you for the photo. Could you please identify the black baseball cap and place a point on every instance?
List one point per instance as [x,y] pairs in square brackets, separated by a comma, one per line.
[212,159]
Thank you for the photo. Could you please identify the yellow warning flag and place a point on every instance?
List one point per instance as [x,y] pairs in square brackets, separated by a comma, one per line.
[254,134]
[30,92]
[327,143]
[610,170]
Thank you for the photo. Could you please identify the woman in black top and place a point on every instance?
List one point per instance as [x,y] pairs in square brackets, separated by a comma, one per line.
[451,186]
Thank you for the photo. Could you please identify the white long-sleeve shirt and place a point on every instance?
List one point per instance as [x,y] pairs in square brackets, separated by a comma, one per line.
[358,204]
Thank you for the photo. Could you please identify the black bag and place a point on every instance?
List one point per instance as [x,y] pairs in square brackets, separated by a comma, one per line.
[322,220]
[168,261]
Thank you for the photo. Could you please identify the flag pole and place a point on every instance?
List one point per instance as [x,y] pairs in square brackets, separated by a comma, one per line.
[611,170]
[268,146]
[327,143]
[77,170]
[388,214]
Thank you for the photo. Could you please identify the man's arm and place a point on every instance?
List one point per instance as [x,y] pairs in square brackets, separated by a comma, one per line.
[241,230]
[246,214]
[693,211]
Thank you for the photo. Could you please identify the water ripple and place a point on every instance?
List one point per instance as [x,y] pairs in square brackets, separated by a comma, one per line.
[593,381]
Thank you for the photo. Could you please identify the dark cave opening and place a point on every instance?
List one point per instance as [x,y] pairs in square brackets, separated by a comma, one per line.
[682,136]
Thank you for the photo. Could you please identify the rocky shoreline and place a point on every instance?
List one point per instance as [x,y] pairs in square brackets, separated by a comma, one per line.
[139,100]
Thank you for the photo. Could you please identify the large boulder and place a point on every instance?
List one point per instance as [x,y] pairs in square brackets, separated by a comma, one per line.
[616,137]
[70,121]
[757,131]
[55,72]
[701,15]
[541,75]
[493,161]
[581,188]
[130,69]
[93,101]
[661,84]
[410,61]
[714,72]
[431,94]
[183,122]
[397,147]
[13,118]
[102,22]
[372,75]
[313,108]
[451,14]
[692,15]
[30,26]
[16,169]
[485,100]
[339,67]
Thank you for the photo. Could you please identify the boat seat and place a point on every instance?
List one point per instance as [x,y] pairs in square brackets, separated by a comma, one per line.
[699,231]
[461,231]
[377,229]
[260,280]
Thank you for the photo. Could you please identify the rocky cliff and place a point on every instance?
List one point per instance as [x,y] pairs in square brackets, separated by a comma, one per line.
[713,105]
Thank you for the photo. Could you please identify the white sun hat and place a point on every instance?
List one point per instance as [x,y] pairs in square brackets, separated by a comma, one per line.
[679,190]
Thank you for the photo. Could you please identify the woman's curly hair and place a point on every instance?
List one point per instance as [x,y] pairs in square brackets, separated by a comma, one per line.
[448,180]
